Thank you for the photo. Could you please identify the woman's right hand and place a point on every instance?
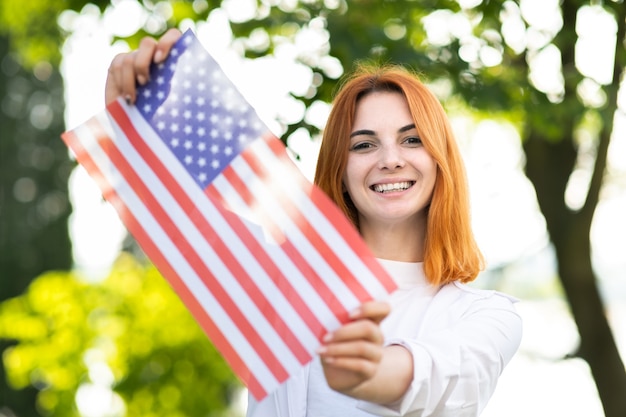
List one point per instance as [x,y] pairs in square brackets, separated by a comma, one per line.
[132,68]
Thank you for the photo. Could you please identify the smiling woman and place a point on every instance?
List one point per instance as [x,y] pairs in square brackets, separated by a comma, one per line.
[389,159]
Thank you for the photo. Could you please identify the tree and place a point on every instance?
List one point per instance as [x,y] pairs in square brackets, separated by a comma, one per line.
[33,196]
[128,337]
[570,228]
[34,205]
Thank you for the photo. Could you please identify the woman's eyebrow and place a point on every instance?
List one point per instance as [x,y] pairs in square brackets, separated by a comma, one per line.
[362,132]
[406,128]
[372,133]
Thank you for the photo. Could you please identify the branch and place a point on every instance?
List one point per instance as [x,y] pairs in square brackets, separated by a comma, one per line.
[608,116]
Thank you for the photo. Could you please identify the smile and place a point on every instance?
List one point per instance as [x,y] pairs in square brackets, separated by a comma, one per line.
[396,186]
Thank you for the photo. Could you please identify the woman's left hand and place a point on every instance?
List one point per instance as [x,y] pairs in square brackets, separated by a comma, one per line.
[352,354]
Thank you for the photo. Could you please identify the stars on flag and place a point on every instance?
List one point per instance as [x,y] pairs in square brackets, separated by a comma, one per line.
[208,123]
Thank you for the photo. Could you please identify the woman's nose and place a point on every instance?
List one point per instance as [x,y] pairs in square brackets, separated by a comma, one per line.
[391,158]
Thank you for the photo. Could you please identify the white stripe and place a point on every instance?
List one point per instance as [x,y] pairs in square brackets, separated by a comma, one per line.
[169,251]
[300,283]
[283,175]
[280,218]
[205,252]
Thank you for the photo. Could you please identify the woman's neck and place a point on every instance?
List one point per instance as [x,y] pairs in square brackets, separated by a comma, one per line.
[397,242]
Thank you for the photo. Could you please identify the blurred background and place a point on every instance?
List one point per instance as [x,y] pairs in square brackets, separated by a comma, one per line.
[89,328]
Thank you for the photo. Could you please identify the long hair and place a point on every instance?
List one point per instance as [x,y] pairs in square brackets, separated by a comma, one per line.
[450,250]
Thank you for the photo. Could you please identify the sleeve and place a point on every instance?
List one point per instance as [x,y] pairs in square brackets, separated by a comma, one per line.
[457,364]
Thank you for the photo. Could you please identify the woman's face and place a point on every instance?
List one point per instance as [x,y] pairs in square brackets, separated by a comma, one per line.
[389,175]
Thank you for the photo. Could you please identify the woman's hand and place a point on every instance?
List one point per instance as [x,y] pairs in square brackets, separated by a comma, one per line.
[357,364]
[132,68]
[352,354]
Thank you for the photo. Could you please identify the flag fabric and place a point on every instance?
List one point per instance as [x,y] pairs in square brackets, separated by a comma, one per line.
[262,258]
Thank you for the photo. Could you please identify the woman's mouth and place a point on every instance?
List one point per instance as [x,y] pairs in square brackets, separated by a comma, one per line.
[391,187]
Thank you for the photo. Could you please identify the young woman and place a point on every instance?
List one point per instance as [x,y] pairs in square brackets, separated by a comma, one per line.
[389,160]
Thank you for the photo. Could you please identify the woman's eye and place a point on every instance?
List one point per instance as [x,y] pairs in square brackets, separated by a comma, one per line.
[361,146]
[413,140]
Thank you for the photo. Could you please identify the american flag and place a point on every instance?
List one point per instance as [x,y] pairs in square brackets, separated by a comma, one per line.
[265,262]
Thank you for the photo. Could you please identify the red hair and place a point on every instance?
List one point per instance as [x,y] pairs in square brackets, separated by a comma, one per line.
[450,250]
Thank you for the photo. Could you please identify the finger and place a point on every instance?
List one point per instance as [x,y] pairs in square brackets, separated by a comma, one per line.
[356,330]
[358,366]
[356,349]
[128,77]
[143,59]
[113,87]
[375,311]
[165,43]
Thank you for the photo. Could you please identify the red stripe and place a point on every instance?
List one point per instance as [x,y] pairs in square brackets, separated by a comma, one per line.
[335,216]
[331,300]
[185,248]
[130,221]
[311,233]
[273,272]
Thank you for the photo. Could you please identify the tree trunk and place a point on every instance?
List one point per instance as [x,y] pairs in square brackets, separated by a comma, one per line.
[550,162]
[34,205]
[548,167]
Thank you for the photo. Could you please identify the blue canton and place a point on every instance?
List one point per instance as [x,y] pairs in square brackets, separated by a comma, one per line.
[197,111]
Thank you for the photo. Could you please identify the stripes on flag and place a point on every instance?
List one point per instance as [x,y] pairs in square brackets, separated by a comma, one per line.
[265,262]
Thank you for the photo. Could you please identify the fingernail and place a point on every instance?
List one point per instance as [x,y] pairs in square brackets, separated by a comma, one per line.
[355,313]
[327,337]
[321,350]
[141,79]
[158,56]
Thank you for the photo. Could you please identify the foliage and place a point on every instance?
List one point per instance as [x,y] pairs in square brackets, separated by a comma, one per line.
[34,204]
[162,15]
[33,175]
[129,333]
[483,54]
[32,27]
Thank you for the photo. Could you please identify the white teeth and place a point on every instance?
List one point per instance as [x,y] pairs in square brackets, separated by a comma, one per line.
[396,186]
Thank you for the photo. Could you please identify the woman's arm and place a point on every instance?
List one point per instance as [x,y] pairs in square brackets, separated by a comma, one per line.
[463,345]
[132,68]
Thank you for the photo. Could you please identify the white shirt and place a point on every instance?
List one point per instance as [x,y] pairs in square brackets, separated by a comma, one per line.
[460,339]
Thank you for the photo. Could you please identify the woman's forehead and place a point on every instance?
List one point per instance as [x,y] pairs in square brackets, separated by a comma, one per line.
[382,108]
